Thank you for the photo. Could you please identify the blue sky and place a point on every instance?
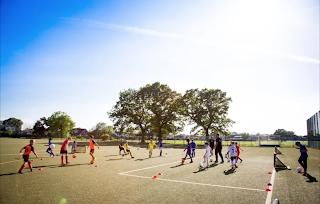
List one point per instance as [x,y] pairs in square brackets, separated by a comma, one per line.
[76,56]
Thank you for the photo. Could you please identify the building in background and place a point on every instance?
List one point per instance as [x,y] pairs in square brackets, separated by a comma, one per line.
[313,130]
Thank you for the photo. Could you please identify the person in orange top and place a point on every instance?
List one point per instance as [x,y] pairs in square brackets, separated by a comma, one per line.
[92,144]
[64,150]
[27,150]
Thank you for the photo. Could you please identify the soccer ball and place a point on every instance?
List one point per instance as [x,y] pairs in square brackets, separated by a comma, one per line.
[211,160]
[138,148]
[52,146]
[74,156]
[228,160]
[92,162]
[166,153]
[226,156]
[183,159]
[200,164]
[299,169]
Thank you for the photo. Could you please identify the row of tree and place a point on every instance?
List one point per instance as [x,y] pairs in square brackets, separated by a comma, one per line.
[157,109]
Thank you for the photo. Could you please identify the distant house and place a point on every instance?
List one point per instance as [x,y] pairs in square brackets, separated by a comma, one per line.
[5,128]
[80,133]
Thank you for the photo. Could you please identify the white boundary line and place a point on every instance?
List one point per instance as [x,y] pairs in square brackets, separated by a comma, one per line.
[202,184]
[187,182]
[269,195]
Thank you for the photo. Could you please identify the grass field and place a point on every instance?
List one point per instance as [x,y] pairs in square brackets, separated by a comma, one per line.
[118,179]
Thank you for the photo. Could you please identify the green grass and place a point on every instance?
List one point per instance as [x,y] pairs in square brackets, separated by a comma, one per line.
[81,182]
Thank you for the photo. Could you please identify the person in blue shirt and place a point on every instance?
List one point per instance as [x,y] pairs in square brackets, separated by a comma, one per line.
[188,148]
[49,150]
[193,147]
[160,147]
[303,157]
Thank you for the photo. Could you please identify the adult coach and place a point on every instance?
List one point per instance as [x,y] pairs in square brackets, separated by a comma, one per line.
[303,157]
[211,143]
[218,148]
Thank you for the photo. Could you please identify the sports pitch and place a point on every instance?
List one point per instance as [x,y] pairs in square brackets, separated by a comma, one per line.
[118,179]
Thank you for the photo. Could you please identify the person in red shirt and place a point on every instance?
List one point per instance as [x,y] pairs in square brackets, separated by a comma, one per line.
[64,150]
[92,144]
[238,151]
[27,150]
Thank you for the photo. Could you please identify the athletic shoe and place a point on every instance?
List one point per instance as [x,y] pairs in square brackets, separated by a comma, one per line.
[216,162]
[68,162]
[20,172]
[132,157]
[207,166]
[62,163]
[222,162]
[32,169]
[95,158]
[191,162]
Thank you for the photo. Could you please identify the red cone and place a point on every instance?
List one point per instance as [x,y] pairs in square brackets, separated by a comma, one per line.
[40,169]
[159,174]
[96,166]
[20,156]
[32,160]
[41,159]
[267,189]
[154,177]
[269,184]
[269,172]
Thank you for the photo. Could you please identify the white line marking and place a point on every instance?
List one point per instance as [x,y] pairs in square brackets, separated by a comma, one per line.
[154,166]
[201,184]
[269,195]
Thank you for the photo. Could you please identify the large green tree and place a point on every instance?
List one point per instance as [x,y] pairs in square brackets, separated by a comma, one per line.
[165,108]
[101,128]
[208,110]
[131,109]
[284,134]
[60,124]
[13,122]
[40,127]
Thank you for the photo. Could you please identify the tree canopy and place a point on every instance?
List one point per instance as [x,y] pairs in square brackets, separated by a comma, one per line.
[100,129]
[13,122]
[208,110]
[60,124]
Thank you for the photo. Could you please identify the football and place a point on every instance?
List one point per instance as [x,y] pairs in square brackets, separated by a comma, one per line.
[52,146]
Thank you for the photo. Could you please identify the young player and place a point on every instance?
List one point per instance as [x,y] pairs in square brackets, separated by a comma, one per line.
[211,143]
[64,150]
[49,150]
[188,148]
[160,147]
[233,155]
[238,151]
[27,150]
[92,144]
[74,147]
[193,147]
[151,146]
[126,145]
[303,157]
[121,147]
[207,154]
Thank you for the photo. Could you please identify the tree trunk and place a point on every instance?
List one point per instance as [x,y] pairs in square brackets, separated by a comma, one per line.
[159,133]
[143,132]
[207,134]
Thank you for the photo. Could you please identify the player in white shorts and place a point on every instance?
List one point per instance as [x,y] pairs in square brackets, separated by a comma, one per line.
[233,155]
[207,154]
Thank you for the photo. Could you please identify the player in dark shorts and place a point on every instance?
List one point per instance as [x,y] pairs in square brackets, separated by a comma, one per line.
[121,147]
[218,149]
[27,150]
[92,144]
[188,148]
[303,157]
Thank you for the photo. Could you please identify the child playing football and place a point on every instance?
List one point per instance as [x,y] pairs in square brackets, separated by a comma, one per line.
[233,154]
[121,147]
[207,154]
[188,148]
[193,146]
[160,147]
[151,146]
[27,150]
[92,144]
[49,150]
[238,151]
[74,147]
[64,150]
[126,146]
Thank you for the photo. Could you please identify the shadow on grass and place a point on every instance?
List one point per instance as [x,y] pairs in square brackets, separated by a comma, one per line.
[230,171]
[311,178]
[115,159]
[114,155]
[201,169]
[142,159]
[281,169]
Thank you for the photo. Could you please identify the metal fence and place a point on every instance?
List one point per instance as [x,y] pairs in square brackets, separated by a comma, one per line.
[314,142]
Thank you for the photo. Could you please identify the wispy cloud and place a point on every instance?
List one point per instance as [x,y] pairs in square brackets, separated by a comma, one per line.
[149,32]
